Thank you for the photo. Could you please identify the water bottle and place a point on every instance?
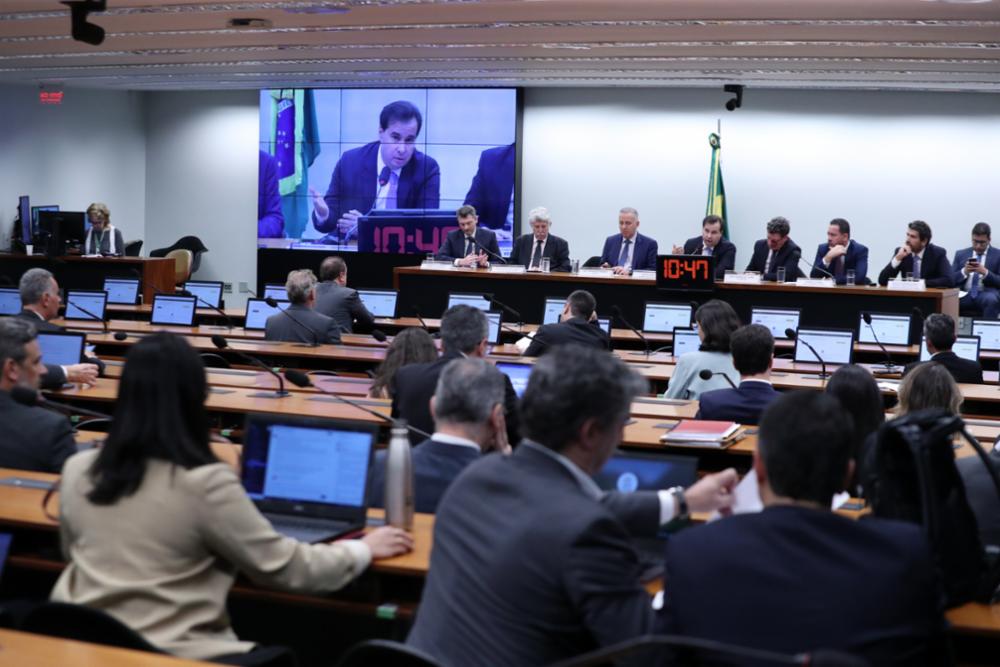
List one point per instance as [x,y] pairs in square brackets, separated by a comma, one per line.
[399,481]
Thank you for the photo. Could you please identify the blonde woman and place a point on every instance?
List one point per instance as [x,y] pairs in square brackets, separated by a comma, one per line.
[103,238]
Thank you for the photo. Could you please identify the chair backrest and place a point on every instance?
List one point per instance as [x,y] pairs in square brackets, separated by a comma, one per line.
[133,248]
[182,265]
[70,621]
[385,653]
[594,261]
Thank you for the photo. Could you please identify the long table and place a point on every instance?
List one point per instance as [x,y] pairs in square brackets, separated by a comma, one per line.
[78,272]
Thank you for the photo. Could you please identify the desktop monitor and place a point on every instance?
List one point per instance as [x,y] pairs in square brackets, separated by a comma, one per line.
[834,346]
[553,309]
[275,291]
[34,216]
[122,290]
[494,320]
[61,229]
[665,317]
[988,332]
[966,347]
[10,301]
[206,292]
[61,348]
[258,311]
[82,305]
[379,302]
[24,217]
[518,374]
[685,340]
[776,319]
[475,300]
[890,328]
[170,309]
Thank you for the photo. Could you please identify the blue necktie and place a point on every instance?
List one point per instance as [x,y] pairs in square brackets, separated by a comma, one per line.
[623,258]
[916,267]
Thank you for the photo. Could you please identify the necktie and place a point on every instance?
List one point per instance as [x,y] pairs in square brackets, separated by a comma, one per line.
[536,257]
[623,258]
[468,246]
[767,264]
[390,197]
[709,250]
[974,287]
[838,267]
[916,267]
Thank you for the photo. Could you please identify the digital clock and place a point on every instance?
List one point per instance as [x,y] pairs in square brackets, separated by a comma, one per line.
[685,272]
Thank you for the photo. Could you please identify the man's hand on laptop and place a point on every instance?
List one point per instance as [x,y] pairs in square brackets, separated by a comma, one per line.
[386,542]
[82,374]
[712,492]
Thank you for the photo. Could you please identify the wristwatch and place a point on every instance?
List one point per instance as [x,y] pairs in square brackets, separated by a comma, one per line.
[681,511]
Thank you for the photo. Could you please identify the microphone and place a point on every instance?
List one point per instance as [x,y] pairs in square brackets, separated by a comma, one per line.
[229,321]
[300,379]
[889,366]
[502,305]
[423,325]
[378,335]
[223,344]
[817,268]
[121,335]
[792,334]
[484,248]
[102,320]
[621,318]
[919,313]
[383,177]
[34,398]
[270,301]
[706,374]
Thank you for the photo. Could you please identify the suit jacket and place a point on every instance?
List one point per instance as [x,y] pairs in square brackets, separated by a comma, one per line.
[574,330]
[743,405]
[934,269]
[353,184]
[344,305]
[311,327]
[793,579]
[492,186]
[991,281]
[787,257]
[963,370]
[725,254]
[643,252]
[33,438]
[270,219]
[856,258]
[453,246]
[55,376]
[528,568]
[556,249]
[435,465]
[413,385]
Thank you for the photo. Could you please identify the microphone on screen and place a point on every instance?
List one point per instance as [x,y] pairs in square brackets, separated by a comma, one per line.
[383,177]
[706,374]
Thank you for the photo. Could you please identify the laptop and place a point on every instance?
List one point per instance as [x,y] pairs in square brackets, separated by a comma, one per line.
[257,313]
[308,476]
[835,346]
[605,323]
[122,290]
[475,300]
[518,374]
[170,309]
[553,309]
[685,340]
[61,348]
[776,319]
[988,332]
[494,320]
[891,329]
[966,347]
[10,301]
[207,291]
[379,302]
[665,317]
[275,291]
[78,301]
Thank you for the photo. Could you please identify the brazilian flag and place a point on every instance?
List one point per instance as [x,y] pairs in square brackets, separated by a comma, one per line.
[716,190]
[295,145]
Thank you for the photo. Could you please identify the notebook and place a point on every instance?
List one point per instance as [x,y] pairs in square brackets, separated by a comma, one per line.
[207,291]
[379,302]
[169,309]
[518,374]
[257,313]
[61,348]
[888,328]
[777,320]
[82,305]
[10,301]
[665,317]
[275,291]
[122,290]
[685,340]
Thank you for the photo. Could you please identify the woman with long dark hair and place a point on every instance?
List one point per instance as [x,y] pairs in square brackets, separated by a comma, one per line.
[410,346]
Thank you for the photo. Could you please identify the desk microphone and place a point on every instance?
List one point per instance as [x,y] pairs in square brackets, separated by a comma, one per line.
[229,321]
[817,268]
[792,334]
[484,248]
[34,398]
[270,301]
[503,306]
[423,325]
[920,314]
[889,366]
[706,374]
[223,344]
[379,335]
[93,316]
[621,318]
[303,381]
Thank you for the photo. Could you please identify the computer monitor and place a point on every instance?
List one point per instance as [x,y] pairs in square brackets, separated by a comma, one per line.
[81,305]
[776,319]
[34,215]
[834,346]
[966,347]
[494,319]
[379,302]
[10,301]
[685,340]
[988,332]
[605,323]
[554,306]
[61,348]
[275,291]
[206,291]
[258,311]
[475,300]
[891,328]
[24,216]
[61,229]
[170,309]
[122,290]
[518,374]
[665,317]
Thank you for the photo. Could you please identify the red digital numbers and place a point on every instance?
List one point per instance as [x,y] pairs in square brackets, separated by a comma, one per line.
[678,268]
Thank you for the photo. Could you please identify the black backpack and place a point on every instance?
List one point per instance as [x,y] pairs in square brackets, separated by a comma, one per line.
[910,475]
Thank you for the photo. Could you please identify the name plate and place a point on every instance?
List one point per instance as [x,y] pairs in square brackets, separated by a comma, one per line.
[644,275]
[436,264]
[815,282]
[507,268]
[907,285]
[742,278]
[595,271]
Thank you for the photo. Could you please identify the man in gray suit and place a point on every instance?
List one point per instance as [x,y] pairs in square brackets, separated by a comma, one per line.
[299,323]
[335,299]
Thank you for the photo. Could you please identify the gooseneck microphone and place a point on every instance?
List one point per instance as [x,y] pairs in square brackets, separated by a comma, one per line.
[485,249]
[792,334]
[270,301]
[34,398]
[920,314]
[303,381]
[706,374]
[503,306]
[229,321]
[223,344]
[889,366]
[621,318]
[91,315]
[817,268]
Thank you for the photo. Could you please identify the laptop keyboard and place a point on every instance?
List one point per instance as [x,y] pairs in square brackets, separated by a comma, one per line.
[308,529]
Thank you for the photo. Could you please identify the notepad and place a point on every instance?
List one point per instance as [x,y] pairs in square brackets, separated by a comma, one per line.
[702,433]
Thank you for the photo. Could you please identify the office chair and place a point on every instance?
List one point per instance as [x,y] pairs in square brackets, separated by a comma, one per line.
[385,653]
[133,248]
[191,243]
[593,262]
[71,621]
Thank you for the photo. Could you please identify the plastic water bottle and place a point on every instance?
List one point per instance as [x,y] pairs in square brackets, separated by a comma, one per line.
[399,481]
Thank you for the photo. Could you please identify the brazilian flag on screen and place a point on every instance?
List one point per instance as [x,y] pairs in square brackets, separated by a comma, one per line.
[716,191]
[294,142]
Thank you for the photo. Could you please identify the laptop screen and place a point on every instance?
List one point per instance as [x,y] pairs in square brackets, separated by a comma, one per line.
[207,291]
[173,310]
[553,309]
[890,329]
[966,347]
[93,302]
[664,317]
[685,340]
[494,320]
[988,332]
[275,291]
[627,472]
[122,290]
[834,346]
[605,323]
[475,300]
[10,301]
[518,374]
[258,311]
[776,319]
[62,349]
[379,302]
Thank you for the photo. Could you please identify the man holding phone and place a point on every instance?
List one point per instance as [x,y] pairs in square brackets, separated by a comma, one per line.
[976,271]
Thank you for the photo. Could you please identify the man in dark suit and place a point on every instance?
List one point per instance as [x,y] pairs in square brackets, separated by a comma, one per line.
[752,347]
[531,564]
[530,249]
[386,174]
[492,188]
[919,257]
[939,333]
[711,243]
[775,252]
[841,254]
[463,334]
[335,299]
[459,247]
[33,438]
[300,323]
[468,408]
[577,324]
[629,250]
[40,302]
[798,577]
[976,271]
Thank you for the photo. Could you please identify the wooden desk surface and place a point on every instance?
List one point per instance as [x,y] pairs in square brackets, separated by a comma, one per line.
[22,649]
